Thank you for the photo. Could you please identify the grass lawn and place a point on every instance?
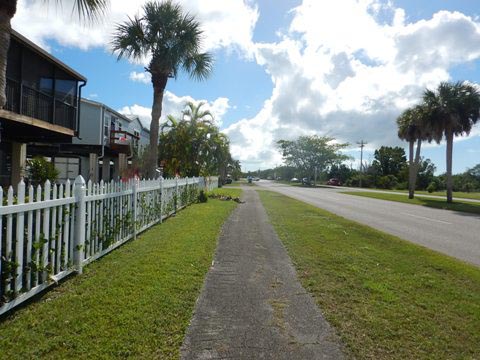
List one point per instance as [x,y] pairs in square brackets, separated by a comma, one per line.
[463,206]
[135,302]
[387,298]
[456,194]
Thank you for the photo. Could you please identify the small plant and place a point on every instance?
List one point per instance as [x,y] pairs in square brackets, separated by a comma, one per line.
[41,170]
[202,197]
[432,187]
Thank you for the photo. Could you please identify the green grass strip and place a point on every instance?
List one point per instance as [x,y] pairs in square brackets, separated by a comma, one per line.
[456,194]
[135,302]
[462,206]
[387,298]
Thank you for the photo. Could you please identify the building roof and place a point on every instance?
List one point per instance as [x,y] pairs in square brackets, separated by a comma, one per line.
[106,107]
[22,39]
[143,122]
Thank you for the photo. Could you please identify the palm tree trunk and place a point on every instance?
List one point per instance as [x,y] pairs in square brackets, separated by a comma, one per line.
[159,82]
[411,182]
[449,136]
[416,164]
[7,10]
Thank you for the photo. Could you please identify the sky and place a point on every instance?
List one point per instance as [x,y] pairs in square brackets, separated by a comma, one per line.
[285,68]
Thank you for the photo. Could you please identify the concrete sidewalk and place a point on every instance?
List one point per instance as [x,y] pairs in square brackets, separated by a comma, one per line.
[252,305]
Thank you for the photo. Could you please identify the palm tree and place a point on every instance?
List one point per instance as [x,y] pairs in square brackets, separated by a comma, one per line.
[86,9]
[195,113]
[412,127]
[172,38]
[453,108]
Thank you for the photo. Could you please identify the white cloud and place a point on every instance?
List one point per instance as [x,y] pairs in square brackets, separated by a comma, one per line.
[143,77]
[349,73]
[174,105]
[227,26]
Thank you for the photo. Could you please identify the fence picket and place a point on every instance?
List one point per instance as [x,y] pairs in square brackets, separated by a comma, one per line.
[59,237]
[38,214]
[46,231]
[28,261]
[20,238]
[1,233]
[53,231]
[66,228]
[8,242]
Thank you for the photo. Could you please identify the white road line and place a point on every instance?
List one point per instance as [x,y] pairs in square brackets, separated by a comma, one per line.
[426,218]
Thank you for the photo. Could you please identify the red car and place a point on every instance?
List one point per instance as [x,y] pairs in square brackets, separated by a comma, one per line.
[334,182]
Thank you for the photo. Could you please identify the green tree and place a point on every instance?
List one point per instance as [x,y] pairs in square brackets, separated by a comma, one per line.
[194,146]
[412,127]
[453,108]
[172,39]
[389,160]
[341,172]
[86,9]
[308,153]
[426,173]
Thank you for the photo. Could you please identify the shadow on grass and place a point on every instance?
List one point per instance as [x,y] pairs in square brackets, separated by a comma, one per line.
[462,208]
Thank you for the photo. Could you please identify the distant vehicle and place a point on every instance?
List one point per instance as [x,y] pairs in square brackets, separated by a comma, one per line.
[306,181]
[294,179]
[228,180]
[334,182]
[256,179]
[249,179]
[269,178]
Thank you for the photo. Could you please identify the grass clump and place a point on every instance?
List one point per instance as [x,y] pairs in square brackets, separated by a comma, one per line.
[135,302]
[387,298]
[462,206]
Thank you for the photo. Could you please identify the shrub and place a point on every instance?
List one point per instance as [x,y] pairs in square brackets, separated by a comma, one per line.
[402,185]
[387,182]
[41,170]
[432,187]
[202,197]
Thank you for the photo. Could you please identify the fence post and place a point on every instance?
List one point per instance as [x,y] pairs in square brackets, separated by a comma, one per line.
[176,194]
[161,199]
[79,238]
[20,237]
[134,205]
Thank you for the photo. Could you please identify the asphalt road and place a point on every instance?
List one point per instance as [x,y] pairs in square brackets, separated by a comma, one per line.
[453,233]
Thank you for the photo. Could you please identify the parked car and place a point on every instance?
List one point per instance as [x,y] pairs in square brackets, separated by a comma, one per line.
[294,179]
[306,181]
[249,179]
[228,180]
[334,182]
[257,179]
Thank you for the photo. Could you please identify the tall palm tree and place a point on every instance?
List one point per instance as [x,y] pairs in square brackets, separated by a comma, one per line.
[86,9]
[453,108]
[172,38]
[412,127]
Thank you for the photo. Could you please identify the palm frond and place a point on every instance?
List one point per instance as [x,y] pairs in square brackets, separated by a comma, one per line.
[199,66]
[129,39]
[90,9]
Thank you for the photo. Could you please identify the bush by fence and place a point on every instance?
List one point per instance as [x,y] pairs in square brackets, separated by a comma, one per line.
[49,232]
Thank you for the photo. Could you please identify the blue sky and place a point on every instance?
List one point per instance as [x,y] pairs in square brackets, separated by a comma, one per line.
[345,69]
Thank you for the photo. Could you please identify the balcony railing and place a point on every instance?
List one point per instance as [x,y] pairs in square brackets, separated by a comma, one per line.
[122,141]
[27,101]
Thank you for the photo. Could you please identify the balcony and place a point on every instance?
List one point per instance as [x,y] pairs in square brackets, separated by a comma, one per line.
[122,141]
[24,100]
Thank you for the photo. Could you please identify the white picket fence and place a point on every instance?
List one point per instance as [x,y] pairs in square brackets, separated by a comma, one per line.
[50,232]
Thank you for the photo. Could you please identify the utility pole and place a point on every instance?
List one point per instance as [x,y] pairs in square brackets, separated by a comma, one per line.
[362,145]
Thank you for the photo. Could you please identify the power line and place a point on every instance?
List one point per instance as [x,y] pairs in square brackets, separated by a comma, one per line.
[362,145]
